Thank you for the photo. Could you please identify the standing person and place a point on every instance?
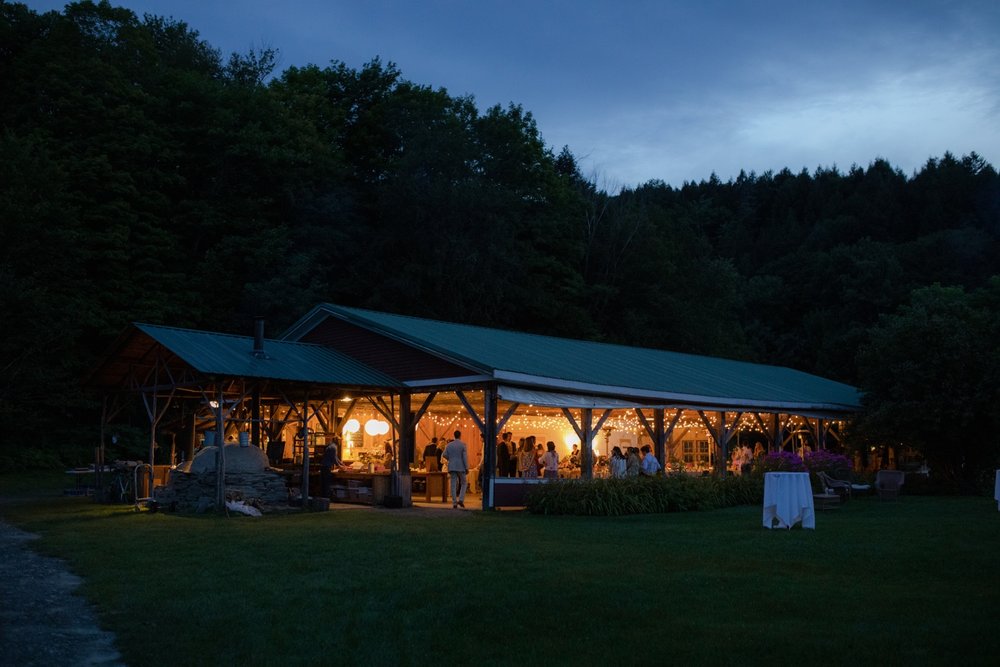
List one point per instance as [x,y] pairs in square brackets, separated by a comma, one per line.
[550,461]
[539,465]
[515,452]
[456,453]
[432,456]
[331,460]
[617,463]
[503,455]
[650,466]
[526,459]
[632,463]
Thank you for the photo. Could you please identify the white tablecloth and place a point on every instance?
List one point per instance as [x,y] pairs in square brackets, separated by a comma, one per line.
[788,497]
[996,490]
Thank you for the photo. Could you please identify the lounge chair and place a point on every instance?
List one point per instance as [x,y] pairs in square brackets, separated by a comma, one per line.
[888,483]
[837,486]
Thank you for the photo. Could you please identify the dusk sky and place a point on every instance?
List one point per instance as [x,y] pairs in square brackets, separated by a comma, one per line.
[668,90]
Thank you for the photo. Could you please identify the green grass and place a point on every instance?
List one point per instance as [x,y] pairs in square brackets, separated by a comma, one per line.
[913,582]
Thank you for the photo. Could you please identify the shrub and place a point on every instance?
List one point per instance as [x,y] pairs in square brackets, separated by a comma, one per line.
[781,462]
[643,495]
[826,461]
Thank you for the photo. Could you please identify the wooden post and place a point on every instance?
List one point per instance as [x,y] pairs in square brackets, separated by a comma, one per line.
[659,438]
[220,454]
[305,453]
[407,443]
[587,446]
[487,468]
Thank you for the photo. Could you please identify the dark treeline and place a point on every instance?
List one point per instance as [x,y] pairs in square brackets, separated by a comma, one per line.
[145,177]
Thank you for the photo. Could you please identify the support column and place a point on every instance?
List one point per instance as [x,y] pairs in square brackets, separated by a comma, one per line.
[305,453]
[220,453]
[488,465]
[659,438]
[587,444]
[404,455]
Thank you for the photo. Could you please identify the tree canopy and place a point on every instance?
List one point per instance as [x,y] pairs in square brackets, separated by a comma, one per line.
[146,177]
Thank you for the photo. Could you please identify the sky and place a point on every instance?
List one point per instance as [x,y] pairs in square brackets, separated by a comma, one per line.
[667,90]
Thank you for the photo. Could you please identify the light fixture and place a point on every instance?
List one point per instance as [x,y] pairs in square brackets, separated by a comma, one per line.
[374,427]
[352,426]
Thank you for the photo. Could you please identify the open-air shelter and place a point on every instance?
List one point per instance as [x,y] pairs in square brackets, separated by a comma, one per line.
[417,377]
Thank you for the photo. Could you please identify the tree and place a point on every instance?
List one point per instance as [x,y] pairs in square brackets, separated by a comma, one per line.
[931,376]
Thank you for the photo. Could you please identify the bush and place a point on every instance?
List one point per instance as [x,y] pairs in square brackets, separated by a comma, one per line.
[780,462]
[643,495]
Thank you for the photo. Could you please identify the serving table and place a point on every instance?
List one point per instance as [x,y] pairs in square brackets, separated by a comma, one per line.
[788,499]
[434,481]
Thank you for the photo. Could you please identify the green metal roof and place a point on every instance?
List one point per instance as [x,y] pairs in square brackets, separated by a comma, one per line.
[232,356]
[605,368]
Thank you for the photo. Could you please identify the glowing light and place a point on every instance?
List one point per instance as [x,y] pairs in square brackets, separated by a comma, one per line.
[376,427]
[352,426]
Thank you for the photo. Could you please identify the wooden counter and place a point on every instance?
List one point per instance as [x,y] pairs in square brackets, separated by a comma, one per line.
[360,487]
[434,481]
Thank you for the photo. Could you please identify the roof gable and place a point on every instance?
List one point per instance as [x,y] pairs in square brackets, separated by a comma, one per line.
[602,367]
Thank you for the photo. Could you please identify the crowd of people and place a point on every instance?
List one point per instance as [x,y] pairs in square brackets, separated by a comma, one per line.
[529,458]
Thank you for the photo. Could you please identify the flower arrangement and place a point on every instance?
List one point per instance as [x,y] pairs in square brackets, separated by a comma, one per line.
[826,461]
[782,462]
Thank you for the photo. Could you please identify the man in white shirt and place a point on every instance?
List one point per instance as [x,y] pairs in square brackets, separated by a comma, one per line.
[650,466]
[457,456]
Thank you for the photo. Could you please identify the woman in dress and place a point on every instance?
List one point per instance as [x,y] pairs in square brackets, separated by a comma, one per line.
[526,458]
[618,463]
[550,461]
[632,462]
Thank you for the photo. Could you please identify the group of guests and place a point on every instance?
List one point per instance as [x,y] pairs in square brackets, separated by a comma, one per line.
[529,458]
[633,462]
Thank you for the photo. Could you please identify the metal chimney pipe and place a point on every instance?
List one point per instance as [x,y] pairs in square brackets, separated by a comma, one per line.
[258,336]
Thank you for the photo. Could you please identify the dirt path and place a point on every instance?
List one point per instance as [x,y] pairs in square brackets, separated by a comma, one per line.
[42,620]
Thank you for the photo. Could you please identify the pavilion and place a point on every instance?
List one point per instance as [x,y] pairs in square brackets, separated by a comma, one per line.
[416,376]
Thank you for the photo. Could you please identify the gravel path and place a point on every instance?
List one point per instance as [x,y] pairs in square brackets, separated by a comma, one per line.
[42,620]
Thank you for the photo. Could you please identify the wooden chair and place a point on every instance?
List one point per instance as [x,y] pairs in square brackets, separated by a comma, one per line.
[888,483]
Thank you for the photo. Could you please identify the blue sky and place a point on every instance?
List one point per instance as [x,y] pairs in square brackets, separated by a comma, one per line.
[668,90]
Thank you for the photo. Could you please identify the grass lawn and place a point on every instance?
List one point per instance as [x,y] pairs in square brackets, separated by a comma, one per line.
[912,582]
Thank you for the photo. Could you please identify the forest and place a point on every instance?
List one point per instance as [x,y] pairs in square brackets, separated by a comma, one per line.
[147,177]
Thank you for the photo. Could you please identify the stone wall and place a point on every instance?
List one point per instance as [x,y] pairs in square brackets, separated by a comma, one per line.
[195,492]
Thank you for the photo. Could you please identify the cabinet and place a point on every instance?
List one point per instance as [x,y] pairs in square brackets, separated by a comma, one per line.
[359,487]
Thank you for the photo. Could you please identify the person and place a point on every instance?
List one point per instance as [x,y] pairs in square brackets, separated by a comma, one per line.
[432,455]
[550,461]
[617,463]
[539,453]
[503,455]
[632,464]
[650,464]
[574,456]
[526,459]
[330,460]
[758,451]
[515,453]
[456,453]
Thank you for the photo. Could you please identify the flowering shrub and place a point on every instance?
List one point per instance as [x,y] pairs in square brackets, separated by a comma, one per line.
[782,462]
[828,462]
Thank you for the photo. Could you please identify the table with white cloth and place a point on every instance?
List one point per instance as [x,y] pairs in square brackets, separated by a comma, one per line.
[996,490]
[788,498]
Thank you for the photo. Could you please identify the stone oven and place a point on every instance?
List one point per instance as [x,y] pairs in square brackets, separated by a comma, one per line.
[191,486]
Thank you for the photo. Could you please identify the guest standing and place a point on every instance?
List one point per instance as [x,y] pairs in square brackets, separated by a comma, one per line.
[650,465]
[550,461]
[456,453]
[618,463]
[632,463]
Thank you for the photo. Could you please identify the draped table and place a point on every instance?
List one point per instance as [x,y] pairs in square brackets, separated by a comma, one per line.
[996,490]
[788,498]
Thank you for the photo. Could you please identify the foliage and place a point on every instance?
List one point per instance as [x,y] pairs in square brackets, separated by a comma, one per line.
[148,177]
[931,373]
[643,495]
[823,460]
[779,462]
